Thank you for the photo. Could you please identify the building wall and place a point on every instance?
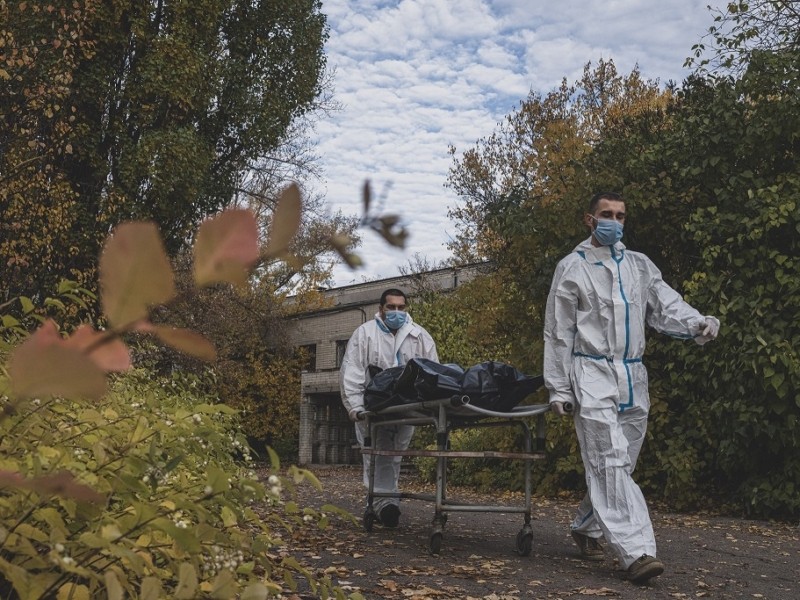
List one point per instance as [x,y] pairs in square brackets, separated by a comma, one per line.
[326,434]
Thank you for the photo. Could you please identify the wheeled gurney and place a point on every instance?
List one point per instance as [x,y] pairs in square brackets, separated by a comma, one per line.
[446,415]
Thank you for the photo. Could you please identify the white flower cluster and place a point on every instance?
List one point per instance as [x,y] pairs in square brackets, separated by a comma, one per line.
[275,487]
[58,557]
[180,521]
[220,558]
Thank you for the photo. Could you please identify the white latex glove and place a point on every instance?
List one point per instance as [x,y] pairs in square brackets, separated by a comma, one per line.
[357,414]
[562,409]
[708,330]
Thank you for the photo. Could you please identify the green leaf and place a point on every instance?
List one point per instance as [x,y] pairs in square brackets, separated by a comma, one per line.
[184,538]
[9,321]
[217,480]
[27,305]
[93,540]
[274,459]
[135,273]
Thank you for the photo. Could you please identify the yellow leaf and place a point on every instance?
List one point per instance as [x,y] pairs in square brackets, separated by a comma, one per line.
[110,532]
[114,590]
[226,248]
[151,589]
[285,221]
[255,591]
[72,591]
[185,340]
[224,585]
[187,581]
[134,273]
[228,517]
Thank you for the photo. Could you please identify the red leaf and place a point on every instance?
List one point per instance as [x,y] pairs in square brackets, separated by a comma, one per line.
[185,340]
[110,354]
[44,365]
[285,221]
[134,273]
[226,248]
[59,484]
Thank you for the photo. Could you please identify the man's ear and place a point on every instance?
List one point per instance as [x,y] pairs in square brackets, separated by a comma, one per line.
[588,220]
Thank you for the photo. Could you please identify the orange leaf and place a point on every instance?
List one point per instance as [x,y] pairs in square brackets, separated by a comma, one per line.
[185,340]
[109,354]
[285,221]
[45,366]
[226,247]
[134,273]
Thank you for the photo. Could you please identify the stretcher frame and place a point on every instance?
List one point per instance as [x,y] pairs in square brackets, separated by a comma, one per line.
[446,415]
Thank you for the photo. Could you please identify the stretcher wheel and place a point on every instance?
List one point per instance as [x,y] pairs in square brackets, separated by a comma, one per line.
[369,520]
[524,542]
[436,542]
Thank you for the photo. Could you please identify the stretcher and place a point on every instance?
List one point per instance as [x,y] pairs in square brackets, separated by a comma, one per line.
[447,415]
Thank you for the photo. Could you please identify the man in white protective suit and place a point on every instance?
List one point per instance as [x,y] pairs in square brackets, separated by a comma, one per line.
[600,300]
[391,339]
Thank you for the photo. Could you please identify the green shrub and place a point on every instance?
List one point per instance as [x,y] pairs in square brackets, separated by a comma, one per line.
[185,515]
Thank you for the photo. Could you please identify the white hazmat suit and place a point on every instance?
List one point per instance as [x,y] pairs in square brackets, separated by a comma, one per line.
[600,300]
[373,343]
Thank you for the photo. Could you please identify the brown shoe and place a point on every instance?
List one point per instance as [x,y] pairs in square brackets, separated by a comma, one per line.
[645,568]
[589,547]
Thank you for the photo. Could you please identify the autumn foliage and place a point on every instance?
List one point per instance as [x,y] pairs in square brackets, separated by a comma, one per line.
[137,485]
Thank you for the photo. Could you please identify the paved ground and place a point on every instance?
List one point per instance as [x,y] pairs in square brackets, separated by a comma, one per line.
[705,556]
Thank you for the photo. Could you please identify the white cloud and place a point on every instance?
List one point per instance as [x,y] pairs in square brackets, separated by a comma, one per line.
[416,76]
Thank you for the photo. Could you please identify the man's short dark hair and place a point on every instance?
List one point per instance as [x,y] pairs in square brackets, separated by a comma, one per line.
[392,292]
[603,196]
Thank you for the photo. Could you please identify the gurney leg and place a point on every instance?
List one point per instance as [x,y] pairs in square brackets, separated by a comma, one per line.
[525,540]
[435,544]
[525,536]
[369,514]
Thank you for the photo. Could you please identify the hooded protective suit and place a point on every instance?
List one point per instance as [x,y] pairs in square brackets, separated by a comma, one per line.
[600,300]
[374,344]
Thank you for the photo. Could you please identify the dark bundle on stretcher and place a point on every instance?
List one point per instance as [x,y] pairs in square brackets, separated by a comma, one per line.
[490,385]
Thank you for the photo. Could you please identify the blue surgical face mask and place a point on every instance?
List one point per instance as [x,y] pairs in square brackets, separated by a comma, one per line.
[395,319]
[608,231]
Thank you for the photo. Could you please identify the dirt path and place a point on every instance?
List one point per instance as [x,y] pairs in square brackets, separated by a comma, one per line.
[705,556]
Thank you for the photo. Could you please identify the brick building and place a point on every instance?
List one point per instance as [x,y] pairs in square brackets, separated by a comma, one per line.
[326,434]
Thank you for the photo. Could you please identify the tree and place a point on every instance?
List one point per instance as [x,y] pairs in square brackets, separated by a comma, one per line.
[716,197]
[743,29]
[525,187]
[139,109]
[710,175]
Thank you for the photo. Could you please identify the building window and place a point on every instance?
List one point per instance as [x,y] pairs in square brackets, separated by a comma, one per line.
[310,351]
[341,346]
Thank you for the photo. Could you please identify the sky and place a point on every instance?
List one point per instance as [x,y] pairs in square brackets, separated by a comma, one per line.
[415,77]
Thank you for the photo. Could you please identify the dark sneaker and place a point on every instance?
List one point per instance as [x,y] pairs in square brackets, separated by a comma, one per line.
[645,568]
[589,547]
[390,515]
